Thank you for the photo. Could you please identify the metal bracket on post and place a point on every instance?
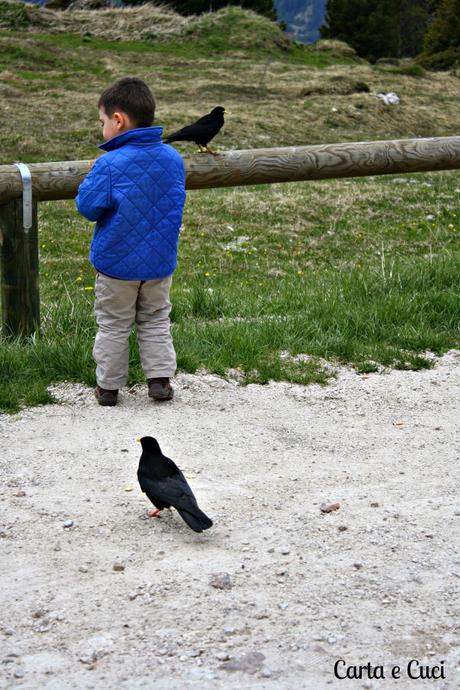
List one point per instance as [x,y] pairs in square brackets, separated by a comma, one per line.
[26,176]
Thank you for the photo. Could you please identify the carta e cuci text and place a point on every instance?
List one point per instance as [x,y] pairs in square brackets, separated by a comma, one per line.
[414,670]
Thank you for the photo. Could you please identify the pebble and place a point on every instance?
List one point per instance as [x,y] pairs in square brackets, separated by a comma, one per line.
[192,653]
[249,663]
[329,507]
[134,595]
[44,626]
[118,567]
[285,550]
[68,523]
[83,569]
[88,659]
[19,673]
[39,613]
[220,581]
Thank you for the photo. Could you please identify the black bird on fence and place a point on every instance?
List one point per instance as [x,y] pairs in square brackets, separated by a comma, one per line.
[202,131]
[165,486]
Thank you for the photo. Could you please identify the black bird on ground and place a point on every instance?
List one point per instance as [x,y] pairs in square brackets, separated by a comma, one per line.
[165,485]
[201,131]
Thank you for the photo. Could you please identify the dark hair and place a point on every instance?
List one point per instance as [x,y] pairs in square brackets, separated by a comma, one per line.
[133,97]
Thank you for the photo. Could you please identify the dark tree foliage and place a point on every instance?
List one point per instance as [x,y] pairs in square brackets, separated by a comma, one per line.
[444,32]
[380,28]
[367,25]
[442,40]
[415,16]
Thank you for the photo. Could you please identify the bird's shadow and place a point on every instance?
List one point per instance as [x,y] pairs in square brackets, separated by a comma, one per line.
[169,523]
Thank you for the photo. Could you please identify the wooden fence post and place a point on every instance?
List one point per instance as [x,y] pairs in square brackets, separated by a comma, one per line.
[19,271]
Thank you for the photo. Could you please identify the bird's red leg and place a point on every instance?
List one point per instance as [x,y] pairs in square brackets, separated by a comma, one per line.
[154,513]
[214,153]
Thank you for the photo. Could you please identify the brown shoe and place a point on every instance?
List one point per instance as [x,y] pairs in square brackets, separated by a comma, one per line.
[105,397]
[160,389]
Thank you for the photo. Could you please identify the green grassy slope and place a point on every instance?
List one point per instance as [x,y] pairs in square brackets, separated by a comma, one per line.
[362,271]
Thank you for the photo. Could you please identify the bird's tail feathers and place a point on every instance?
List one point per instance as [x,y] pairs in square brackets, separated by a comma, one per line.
[197,520]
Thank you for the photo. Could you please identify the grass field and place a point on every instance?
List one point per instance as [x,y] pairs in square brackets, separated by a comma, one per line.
[364,271]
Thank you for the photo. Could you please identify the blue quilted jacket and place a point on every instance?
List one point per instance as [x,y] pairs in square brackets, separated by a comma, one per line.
[136,193]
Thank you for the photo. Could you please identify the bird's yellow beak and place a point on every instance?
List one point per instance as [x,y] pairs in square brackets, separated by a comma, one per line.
[138,439]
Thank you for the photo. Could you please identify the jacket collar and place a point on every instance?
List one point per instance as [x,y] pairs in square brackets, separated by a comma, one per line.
[140,135]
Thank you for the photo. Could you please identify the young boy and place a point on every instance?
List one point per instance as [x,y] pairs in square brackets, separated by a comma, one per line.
[136,193]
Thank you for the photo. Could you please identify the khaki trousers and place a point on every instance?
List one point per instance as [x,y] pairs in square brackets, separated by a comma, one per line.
[118,305]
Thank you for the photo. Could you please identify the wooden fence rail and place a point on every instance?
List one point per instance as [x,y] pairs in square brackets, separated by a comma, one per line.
[60,180]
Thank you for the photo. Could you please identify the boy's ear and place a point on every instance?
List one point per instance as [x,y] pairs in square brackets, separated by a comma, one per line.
[119,118]
[122,121]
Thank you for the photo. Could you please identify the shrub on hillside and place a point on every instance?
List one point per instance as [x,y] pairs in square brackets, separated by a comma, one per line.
[13,15]
[441,61]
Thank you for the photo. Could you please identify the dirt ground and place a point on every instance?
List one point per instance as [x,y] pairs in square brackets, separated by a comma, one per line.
[95,595]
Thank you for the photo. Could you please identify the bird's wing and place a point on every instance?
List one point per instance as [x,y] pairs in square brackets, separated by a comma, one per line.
[173,491]
[191,131]
[205,119]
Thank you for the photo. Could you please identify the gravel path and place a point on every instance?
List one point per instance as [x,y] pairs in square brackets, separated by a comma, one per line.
[93,595]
